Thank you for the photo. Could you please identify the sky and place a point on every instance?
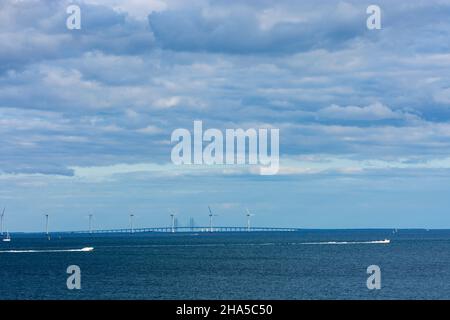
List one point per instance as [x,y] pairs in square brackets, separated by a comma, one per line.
[86,115]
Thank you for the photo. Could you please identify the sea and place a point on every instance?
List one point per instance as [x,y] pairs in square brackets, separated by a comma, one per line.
[306,264]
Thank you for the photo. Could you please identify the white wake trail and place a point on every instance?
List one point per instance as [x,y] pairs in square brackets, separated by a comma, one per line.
[86,249]
[385,241]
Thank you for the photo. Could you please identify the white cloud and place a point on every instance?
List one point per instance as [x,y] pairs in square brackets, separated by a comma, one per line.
[442,96]
[139,9]
[327,164]
[150,129]
[177,101]
[168,102]
[22,119]
[273,16]
[376,111]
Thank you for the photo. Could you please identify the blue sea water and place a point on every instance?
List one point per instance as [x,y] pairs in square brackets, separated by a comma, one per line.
[309,264]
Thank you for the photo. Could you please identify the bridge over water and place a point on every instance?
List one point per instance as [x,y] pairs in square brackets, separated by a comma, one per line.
[181,229]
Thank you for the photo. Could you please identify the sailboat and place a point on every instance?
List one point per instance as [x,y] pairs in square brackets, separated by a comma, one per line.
[7,238]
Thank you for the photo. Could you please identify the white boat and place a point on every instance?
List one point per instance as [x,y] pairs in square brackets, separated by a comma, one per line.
[7,238]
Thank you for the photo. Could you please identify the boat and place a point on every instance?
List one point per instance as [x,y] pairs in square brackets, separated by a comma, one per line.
[7,238]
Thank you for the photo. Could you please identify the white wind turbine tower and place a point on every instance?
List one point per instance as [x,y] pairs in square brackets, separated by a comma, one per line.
[1,221]
[46,226]
[211,215]
[248,219]
[90,222]
[131,222]
[172,216]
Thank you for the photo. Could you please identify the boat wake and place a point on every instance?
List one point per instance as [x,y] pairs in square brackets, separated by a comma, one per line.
[89,249]
[385,241]
[86,249]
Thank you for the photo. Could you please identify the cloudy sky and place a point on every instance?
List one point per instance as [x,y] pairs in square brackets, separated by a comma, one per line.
[86,115]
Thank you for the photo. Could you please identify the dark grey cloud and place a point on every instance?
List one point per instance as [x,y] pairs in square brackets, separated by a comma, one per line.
[245,29]
[36,31]
[113,91]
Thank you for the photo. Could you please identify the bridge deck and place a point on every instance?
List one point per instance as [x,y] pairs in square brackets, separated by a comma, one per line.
[181,229]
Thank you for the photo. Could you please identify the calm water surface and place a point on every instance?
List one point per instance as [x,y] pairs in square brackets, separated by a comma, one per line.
[290,265]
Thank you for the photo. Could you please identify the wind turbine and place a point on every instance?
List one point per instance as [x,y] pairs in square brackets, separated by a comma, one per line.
[90,222]
[131,222]
[172,216]
[248,219]
[1,221]
[211,215]
[46,226]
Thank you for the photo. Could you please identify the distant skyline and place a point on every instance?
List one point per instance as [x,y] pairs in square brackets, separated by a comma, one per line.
[86,115]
